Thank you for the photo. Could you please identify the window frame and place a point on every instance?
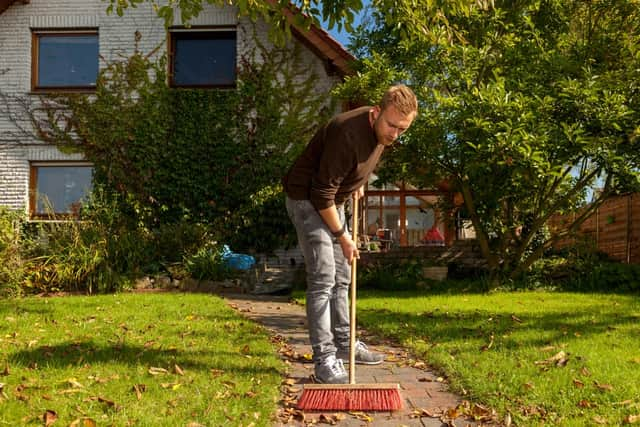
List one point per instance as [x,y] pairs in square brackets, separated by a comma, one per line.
[36,35]
[171,49]
[33,189]
[401,193]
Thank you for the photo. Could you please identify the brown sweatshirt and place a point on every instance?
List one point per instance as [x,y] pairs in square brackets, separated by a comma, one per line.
[337,161]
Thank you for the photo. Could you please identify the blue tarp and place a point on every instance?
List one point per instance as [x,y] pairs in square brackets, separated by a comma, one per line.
[237,261]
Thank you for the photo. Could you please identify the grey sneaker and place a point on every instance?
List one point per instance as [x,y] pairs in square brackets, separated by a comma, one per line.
[363,355]
[331,371]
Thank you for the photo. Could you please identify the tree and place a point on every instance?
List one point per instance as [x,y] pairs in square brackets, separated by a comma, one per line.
[525,107]
[336,13]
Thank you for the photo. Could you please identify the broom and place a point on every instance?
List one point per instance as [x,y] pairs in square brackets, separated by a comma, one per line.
[352,396]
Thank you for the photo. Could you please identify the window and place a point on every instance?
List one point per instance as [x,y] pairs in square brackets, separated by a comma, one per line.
[64,60]
[203,58]
[402,215]
[58,189]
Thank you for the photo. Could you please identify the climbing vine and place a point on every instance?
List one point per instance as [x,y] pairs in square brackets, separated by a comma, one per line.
[211,157]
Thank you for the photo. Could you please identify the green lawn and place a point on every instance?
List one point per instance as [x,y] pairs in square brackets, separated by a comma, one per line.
[165,359]
[545,358]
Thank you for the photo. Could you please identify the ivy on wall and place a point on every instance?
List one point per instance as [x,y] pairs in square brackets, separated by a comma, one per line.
[211,157]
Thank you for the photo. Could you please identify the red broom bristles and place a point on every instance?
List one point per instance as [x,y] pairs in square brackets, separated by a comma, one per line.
[336,398]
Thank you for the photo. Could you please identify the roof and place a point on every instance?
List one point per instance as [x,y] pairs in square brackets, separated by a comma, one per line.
[337,59]
[4,4]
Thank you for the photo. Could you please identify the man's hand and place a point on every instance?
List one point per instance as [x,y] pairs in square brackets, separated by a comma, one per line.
[359,193]
[349,248]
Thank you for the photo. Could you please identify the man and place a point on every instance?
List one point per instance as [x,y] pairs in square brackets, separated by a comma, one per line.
[334,166]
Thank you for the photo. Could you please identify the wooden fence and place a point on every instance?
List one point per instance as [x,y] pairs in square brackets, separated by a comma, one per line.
[614,228]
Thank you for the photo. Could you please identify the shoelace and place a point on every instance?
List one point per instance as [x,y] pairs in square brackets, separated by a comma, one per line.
[338,367]
[361,346]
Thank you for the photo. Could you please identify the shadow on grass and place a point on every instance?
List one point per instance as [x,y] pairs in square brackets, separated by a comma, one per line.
[90,352]
[510,329]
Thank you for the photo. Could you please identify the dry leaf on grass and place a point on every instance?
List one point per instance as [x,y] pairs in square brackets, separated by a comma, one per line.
[172,386]
[157,371]
[49,417]
[139,389]
[631,419]
[177,370]
[83,422]
[603,387]
[586,404]
[559,359]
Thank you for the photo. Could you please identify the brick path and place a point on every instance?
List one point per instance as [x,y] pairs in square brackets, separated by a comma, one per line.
[427,402]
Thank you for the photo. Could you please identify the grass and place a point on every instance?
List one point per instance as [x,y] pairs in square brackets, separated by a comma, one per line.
[544,358]
[164,359]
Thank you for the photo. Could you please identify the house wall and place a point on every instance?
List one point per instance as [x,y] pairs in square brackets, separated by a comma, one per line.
[117,40]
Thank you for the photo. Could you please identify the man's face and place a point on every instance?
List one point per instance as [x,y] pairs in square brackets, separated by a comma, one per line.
[389,124]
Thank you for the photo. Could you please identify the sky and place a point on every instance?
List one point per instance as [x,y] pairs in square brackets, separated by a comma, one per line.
[342,36]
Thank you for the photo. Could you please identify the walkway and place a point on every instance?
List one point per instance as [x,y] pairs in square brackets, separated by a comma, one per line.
[427,402]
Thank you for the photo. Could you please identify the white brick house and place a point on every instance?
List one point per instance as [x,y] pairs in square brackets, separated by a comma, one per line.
[56,44]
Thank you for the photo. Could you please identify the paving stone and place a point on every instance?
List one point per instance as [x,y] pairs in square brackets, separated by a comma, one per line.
[422,391]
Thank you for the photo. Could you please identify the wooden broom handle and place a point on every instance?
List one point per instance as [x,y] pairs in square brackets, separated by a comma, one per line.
[352,305]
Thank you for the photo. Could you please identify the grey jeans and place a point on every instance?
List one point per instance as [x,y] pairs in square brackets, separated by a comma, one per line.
[328,278]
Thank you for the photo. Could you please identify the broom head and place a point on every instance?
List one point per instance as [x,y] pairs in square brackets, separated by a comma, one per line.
[350,397]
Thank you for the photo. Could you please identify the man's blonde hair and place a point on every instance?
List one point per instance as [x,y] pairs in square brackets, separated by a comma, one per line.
[401,97]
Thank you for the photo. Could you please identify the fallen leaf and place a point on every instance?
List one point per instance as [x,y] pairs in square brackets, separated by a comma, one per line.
[603,387]
[362,416]
[631,419]
[600,420]
[507,420]
[172,386]
[49,417]
[585,372]
[215,373]
[177,370]
[83,422]
[421,413]
[578,383]
[324,419]
[139,389]
[157,371]
[73,383]
[5,372]
[420,365]
[515,318]
[558,359]
[586,404]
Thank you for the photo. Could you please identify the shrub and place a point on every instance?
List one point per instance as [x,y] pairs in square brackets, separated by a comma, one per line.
[207,263]
[11,261]
[391,276]
[587,271]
